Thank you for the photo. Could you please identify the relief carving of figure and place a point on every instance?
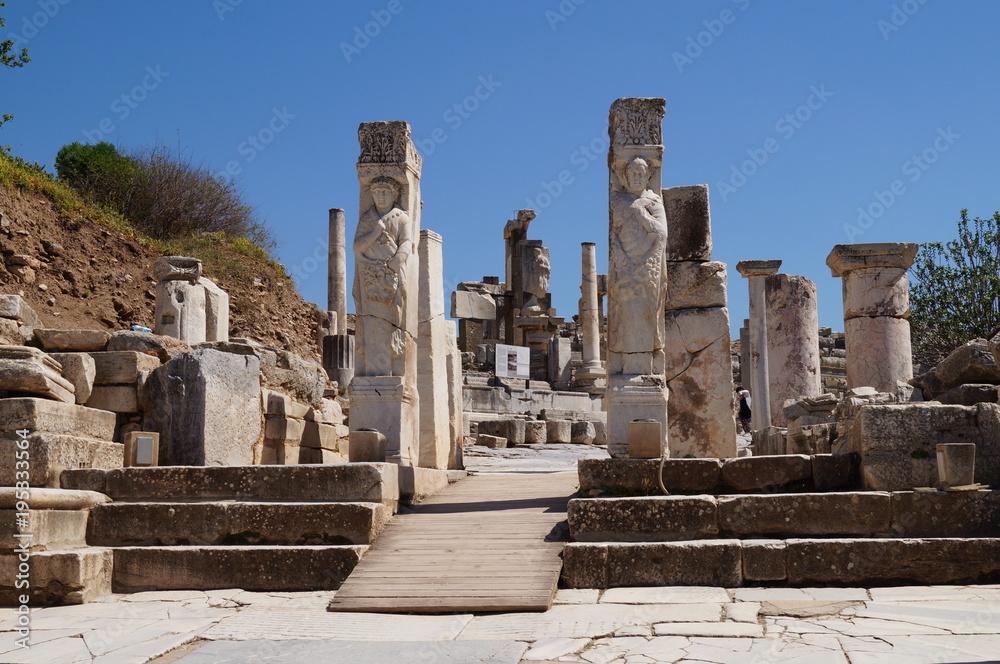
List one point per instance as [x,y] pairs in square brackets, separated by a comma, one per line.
[637,274]
[382,248]
[536,278]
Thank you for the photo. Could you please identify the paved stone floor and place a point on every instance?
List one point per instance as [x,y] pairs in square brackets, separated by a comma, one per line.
[906,625]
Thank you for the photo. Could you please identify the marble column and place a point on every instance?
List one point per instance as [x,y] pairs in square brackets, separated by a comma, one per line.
[433,352]
[793,365]
[454,369]
[336,281]
[384,392]
[637,279]
[876,307]
[592,369]
[755,272]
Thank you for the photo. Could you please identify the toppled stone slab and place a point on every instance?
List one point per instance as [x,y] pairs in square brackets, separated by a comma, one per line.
[805,514]
[822,406]
[60,577]
[72,340]
[44,416]
[17,308]
[29,371]
[512,429]
[750,473]
[970,394]
[80,370]
[492,442]
[52,453]
[653,519]
[972,362]
[164,348]
[693,563]
[683,475]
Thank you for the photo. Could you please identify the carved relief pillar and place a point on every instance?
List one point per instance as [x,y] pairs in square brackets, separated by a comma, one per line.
[384,389]
[636,271]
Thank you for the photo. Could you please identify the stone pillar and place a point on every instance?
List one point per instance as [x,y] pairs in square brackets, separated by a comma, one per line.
[383,392]
[592,371]
[514,233]
[456,436]
[336,280]
[746,378]
[755,272]
[338,359]
[216,311]
[433,351]
[876,307]
[699,366]
[180,299]
[793,367]
[637,280]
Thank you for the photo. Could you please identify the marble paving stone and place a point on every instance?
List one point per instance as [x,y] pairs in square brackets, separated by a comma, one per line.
[38,636]
[875,627]
[574,596]
[743,612]
[665,595]
[922,649]
[960,617]
[729,629]
[791,594]
[805,608]
[357,652]
[934,593]
[545,649]
[583,620]
[764,651]
[147,650]
[265,623]
[604,651]
[164,596]
[63,651]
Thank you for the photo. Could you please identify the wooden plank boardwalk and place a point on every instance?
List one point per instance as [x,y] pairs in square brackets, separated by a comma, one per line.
[477,546]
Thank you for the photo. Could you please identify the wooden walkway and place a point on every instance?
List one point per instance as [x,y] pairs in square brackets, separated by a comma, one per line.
[479,545]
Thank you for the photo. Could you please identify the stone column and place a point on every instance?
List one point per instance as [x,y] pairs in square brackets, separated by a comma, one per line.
[755,272]
[637,280]
[454,369]
[592,370]
[746,379]
[433,351]
[876,307]
[383,392]
[336,281]
[793,368]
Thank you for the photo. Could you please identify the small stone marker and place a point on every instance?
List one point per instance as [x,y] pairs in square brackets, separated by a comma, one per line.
[645,440]
[366,446]
[956,464]
[142,449]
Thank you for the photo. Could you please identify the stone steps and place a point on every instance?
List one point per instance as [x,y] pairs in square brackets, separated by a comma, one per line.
[732,563]
[256,568]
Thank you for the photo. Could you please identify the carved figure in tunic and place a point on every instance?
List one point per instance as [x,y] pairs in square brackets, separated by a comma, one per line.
[637,274]
[382,248]
[536,278]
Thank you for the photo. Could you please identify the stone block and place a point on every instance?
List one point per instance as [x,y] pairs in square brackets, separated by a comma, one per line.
[60,577]
[558,431]
[52,453]
[122,367]
[805,514]
[164,348]
[216,311]
[279,404]
[956,464]
[302,379]
[283,431]
[640,519]
[416,484]
[16,308]
[180,311]
[321,437]
[72,340]
[50,530]
[867,562]
[833,471]
[583,432]
[512,429]
[756,473]
[696,285]
[972,362]
[52,499]
[206,408]
[695,563]
[331,412]
[114,398]
[969,394]
[764,560]
[177,268]
[44,416]
[492,442]
[689,225]
[478,306]
[29,371]
[679,475]
[80,370]
[366,447]
[12,332]
[946,514]
[535,432]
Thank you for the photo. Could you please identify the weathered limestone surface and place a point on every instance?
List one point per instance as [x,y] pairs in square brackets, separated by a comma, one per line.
[755,272]
[72,340]
[206,407]
[216,311]
[469,304]
[115,398]
[689,224]
[16,308]
[660,519]
[46,530]
[52,453]
[750,473]
[433,351]
[687,475]
[180,311]
[45,416]
[29,371]
[12,333]
[453,370]
[694,285]
[162,347]
[79,369]
[287,372]
[60,577]
[792,341]
[972,362]
[336,285]
[122,367]
[805,514]
[695,563]
[876,306]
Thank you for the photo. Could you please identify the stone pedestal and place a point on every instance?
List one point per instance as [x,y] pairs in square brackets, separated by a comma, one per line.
[792,342]
[631,398]
[387,405]
[433,351]
[338,358]
[876,306]
[336,280]
[759,385]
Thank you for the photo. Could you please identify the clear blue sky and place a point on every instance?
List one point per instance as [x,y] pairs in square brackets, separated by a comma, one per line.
[888,80]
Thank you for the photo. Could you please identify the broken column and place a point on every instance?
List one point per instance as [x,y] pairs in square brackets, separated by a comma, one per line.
[514,232]
[637,280]
[591,373]
[698,364]
[792,342]
[180,299]
[876,307]
[433,352]
[755,272]
[383,392]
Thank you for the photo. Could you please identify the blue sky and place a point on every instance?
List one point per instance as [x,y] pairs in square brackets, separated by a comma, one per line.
[801,116]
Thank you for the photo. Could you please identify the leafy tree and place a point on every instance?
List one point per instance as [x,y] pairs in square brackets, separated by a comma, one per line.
[10,58]
[955,289]
[99,172]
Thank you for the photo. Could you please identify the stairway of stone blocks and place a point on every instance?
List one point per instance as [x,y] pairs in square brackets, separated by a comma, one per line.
[795,520]
[253,527]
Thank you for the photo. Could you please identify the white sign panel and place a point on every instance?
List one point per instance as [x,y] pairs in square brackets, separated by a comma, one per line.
[513,362]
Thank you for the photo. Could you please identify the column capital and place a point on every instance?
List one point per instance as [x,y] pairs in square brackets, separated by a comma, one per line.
[751,269]
[846,257]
